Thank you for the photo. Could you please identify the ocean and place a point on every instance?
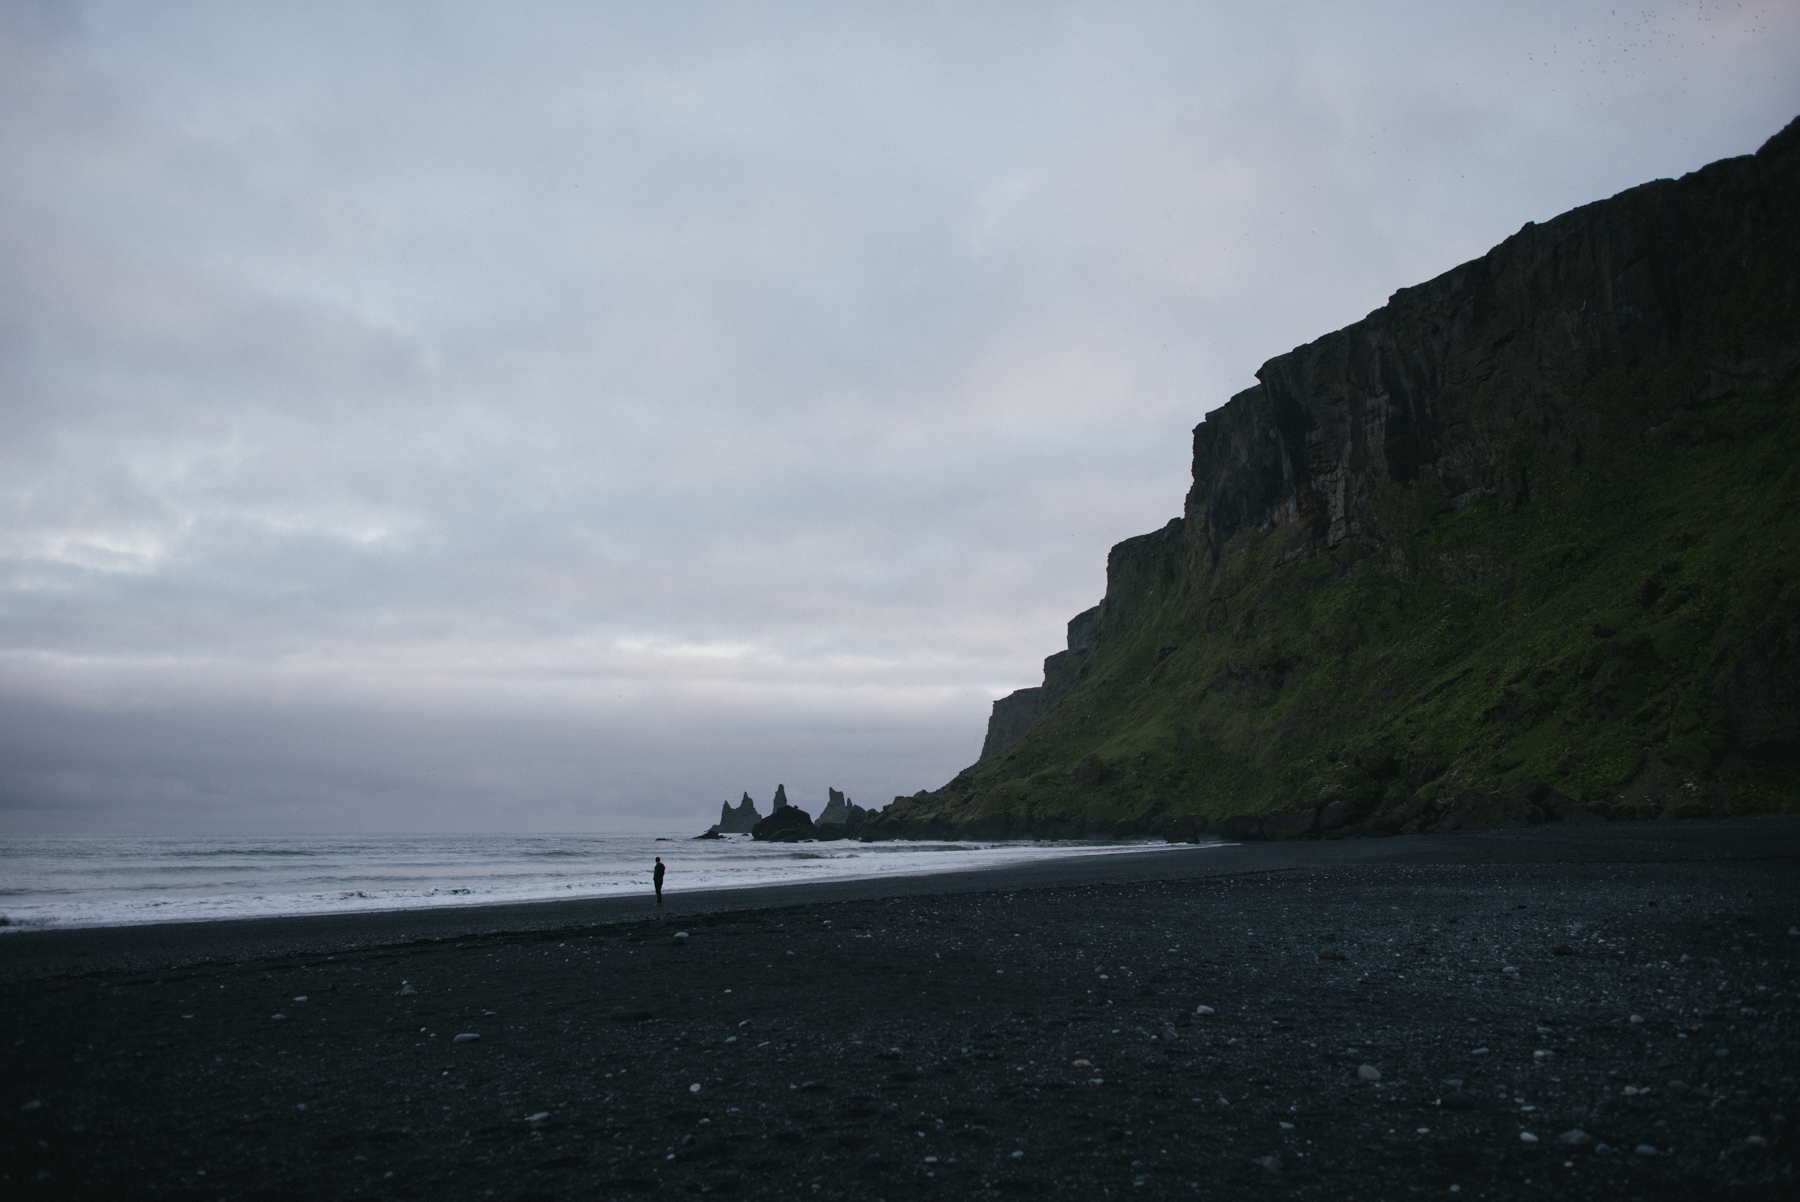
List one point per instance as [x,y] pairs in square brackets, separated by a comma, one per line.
[49,881]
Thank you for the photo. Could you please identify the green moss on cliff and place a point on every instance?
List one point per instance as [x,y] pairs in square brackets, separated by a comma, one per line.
[1535,521]
[1562,641]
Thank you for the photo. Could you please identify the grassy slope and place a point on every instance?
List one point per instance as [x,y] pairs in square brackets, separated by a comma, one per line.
[1481,649]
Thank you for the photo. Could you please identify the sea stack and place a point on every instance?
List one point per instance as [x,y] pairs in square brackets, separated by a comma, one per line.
[786,824]
[739,821]
[840,810]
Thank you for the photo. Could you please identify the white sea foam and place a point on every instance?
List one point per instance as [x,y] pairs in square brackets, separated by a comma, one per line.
[86,881]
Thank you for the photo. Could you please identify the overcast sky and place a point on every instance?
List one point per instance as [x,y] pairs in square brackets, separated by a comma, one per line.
[516,416]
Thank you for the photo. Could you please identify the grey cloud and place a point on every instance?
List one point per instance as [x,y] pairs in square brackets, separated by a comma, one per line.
[424,413]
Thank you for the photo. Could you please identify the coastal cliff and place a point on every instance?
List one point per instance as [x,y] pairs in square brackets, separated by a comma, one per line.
[1522,545]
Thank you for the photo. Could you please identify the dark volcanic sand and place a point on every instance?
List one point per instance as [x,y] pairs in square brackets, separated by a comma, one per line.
[921,1038]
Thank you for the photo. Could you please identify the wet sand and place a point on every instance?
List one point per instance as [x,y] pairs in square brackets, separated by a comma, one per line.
[1018,1030]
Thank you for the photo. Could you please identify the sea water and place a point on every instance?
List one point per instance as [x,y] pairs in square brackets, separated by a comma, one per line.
[104,880]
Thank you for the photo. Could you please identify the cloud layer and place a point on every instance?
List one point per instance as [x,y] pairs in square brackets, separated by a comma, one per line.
[460,417]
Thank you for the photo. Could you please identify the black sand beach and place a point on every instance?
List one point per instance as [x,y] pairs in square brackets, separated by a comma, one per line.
[1388,1019]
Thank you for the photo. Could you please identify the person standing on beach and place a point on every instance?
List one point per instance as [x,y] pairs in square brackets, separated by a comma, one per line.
[658,875]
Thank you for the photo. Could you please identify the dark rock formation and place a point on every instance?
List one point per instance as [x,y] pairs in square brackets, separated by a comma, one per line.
[739,821]
[1516,547]
[1012,716]
[1015,713]
[786,824]
[840,811]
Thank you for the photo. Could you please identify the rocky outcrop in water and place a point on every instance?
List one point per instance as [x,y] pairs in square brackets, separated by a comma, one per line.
[786,824]
[840,811]
[739,821]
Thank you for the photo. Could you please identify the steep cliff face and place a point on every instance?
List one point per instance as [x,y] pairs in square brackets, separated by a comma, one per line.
[1016,713]
[1528,531]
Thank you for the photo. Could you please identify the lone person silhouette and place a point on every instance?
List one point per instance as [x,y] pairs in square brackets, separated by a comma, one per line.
[658,874]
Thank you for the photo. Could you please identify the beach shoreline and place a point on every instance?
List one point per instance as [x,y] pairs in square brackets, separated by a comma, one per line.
[1027,1028]
[58,883]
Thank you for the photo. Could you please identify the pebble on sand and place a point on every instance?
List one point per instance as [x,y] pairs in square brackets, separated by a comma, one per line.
[278,1016]
[1575,1137]
[694,1088]
[1543,1054]
[1637,1018]
[406,989]
[1526,1137]
[1369,1072]
[535,1119]
[1645,1150]
[1203,1011]
[1479,1052]
[466,1037]
[1513,969]
[681,936]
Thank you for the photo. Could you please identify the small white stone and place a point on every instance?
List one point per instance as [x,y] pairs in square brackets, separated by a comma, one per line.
[1637,1018]
[466,1037]
[1284,1126]
[1368,1072]
[301,998]
[539,1117]
[1019,1154]
[731,1039]
[278,1016]
[1203,1011]
[1479,1052]
[1542,1054]
[694,1088]
[1511,968]
[1526,1137]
